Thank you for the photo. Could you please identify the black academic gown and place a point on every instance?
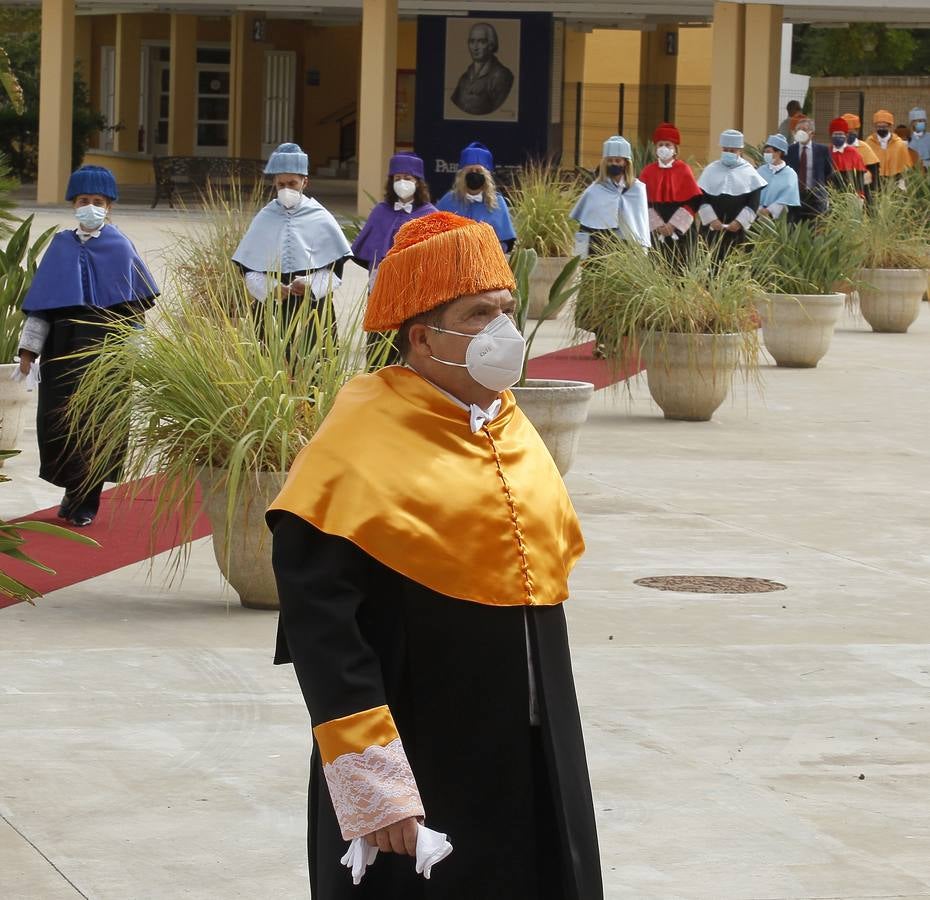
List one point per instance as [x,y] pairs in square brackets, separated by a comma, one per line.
[727,208]
[514,798]
[63,458]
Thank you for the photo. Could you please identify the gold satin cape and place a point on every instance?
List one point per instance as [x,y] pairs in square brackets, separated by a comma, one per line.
[395,469]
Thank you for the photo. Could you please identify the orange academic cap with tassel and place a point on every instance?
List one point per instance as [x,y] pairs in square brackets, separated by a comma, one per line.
[435,258]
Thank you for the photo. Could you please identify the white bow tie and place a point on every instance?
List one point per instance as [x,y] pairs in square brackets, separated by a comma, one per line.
[474,198]
[406,207]
[479,417]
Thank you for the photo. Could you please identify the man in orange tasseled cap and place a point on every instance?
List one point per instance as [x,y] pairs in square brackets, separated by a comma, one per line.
[422,546]
[891,151]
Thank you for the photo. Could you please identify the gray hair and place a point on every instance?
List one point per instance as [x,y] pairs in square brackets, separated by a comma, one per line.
[492,34]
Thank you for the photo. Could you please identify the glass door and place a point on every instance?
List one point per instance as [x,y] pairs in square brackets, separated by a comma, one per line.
[211,131]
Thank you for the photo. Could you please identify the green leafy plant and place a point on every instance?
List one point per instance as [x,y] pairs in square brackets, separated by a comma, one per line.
[11,545]
[565,286]
[629,294]
[18,264]
[540,201]
[802,258]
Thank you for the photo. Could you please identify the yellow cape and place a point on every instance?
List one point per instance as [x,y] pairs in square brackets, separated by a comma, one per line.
[895,159]
[396,470]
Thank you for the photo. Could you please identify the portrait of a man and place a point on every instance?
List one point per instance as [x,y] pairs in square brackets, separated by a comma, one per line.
[489,53]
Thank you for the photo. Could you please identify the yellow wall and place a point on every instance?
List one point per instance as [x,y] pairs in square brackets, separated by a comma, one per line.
[694,55]
[407,45]
[126,169]
[611,57]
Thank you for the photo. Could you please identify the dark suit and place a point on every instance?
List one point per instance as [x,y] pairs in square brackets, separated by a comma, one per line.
[813,188]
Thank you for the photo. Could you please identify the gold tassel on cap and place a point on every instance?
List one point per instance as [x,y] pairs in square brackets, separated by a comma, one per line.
[435,258]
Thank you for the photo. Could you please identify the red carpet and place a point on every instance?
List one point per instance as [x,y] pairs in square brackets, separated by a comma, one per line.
[122,528]
[578,364]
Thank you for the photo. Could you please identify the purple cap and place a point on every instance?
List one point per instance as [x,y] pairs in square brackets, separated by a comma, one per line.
[476,154]
[406,164]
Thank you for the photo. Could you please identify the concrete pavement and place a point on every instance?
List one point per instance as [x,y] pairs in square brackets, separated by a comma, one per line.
[150,749]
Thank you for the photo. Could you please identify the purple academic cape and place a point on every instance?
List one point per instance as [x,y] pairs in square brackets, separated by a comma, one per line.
[377,235]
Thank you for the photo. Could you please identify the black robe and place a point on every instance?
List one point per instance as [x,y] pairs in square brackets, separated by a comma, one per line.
[514,798]
[63,458]
[727,208]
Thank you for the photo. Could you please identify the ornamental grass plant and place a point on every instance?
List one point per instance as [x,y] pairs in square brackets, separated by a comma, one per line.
[630,296]
[219,382]
[540,202]
[802,258]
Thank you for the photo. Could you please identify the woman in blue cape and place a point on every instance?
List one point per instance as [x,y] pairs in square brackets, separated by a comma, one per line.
[294,249]
[89,275]
[781,189]
[475,196]
[406,197]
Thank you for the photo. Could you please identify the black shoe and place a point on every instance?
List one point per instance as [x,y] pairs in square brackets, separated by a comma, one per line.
[67,504]
[82,519]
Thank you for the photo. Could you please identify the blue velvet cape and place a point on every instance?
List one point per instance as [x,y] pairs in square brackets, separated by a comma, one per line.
[498,219]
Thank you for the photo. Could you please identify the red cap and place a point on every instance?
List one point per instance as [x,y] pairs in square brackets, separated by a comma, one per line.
[839,125]
[666,132]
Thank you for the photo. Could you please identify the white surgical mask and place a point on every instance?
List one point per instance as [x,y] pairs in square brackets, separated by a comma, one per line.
[494,357]
[769,158]
[289,198]
[801,136]
[91,217]
[665,153]
[405,188]
[729,158]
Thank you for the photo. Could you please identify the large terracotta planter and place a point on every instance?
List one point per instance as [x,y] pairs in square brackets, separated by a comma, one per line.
[542,278]
[558,410]
[242,543]
[797,328]
[889,299]
[689,375]
[14,399]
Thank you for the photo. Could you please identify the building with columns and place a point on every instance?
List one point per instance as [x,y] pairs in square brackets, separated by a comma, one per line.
[353,80]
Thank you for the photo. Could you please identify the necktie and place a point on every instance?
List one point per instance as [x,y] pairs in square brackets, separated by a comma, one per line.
[802,174]
[406,207]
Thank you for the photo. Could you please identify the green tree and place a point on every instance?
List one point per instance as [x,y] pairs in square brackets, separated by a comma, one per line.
[864,48]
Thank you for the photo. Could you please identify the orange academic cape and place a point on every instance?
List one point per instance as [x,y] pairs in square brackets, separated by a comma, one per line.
[396,470]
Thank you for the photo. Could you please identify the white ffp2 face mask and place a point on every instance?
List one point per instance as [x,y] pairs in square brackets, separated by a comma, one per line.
[289,198]
[494,357]
[405,189]
[802,136]
[91,217]
[665,153]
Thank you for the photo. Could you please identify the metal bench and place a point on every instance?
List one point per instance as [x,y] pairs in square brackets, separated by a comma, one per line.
[176,176]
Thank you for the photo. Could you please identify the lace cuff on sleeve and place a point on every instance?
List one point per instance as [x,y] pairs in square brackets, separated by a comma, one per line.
[367,772]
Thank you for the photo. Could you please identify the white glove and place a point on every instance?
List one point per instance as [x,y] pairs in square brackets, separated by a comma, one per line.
[359,857]
[432,847]
[322,282]
[32,379]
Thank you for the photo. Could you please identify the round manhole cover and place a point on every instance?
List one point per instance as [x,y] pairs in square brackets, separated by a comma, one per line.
[710,584]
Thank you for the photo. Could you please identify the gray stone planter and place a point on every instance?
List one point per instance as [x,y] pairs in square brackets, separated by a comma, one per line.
[689,375]
[889,299]
[542,278]
[798,328]
[558,410]
[242,543]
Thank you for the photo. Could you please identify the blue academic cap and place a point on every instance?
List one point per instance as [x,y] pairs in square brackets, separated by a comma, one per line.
[288,158]
[92,180]
[476,154]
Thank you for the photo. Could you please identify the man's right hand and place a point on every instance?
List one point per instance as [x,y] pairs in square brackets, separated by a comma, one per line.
[401,837]
[26,359]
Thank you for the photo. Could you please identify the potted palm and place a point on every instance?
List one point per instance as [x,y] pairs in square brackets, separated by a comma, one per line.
[225,396]
[692,319]
[895,235]
[798,265]
[541,200]
[557,408]
[18,262]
